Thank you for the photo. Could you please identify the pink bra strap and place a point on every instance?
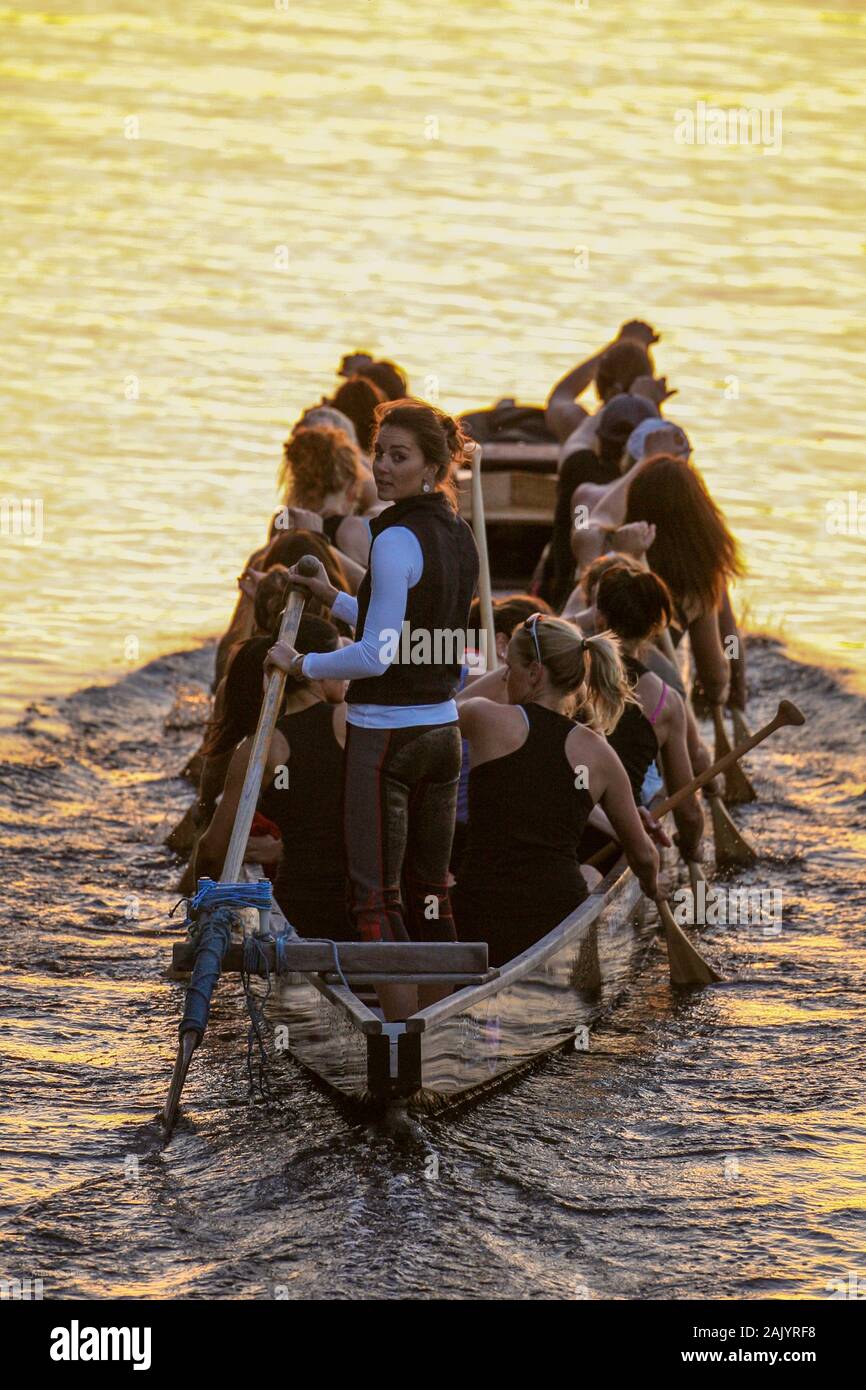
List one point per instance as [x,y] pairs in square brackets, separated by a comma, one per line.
[658,709]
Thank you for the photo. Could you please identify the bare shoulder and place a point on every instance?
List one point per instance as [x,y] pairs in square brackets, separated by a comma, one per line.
[587,751]
[649,689]
[477,711]
[585,745]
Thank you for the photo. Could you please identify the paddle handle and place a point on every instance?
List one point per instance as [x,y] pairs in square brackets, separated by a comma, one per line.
[723,747]
[787,713]
[291,621]
[484,588]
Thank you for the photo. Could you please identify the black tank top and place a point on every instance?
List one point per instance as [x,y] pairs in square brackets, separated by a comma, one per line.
[331,525]
[309,811]
[520,875]
[525,812]
[634,738]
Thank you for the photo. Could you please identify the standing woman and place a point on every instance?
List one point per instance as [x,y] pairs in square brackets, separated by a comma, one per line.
[403,741]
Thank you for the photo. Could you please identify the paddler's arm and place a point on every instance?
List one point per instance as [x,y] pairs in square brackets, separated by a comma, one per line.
[677,769]
[610,787]
[712,666]
[214,843]
[732,641]
[563,414]
[491,686]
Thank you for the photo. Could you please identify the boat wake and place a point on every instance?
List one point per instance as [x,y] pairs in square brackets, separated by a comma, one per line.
[704,1146]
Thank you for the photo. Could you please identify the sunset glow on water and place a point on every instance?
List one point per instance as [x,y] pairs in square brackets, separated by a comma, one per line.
[206,206]
[206,209]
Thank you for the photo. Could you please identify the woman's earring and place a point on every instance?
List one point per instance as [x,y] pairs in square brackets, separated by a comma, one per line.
[426,487]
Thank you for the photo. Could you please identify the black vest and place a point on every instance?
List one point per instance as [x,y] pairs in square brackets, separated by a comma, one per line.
[437,608]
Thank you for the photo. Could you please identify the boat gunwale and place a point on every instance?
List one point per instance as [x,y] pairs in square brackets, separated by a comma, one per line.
[583,916]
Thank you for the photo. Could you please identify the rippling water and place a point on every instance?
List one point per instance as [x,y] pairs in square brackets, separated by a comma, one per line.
[708,1145]
[484,191]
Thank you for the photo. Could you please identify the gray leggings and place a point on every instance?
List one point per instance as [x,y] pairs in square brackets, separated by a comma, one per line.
[400,800]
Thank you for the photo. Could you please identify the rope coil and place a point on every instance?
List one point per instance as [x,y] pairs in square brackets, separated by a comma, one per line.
[210,895]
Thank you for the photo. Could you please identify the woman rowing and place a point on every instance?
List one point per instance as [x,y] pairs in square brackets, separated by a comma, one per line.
[286,549]
[321,480]
[403,741]
[301,795]
[635,605]
[581,610]
[508,612]
[536,775]
[694,553]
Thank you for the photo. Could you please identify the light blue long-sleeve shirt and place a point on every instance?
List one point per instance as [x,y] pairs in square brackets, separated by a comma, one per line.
[396,565]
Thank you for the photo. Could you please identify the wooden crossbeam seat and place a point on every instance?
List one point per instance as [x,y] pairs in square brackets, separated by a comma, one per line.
[367,962]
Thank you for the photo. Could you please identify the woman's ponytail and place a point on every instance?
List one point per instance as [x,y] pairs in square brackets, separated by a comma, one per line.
[607,686]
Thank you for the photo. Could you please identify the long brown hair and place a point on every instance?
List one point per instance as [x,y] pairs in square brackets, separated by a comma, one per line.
[693,551]
[438,436]
[572,660]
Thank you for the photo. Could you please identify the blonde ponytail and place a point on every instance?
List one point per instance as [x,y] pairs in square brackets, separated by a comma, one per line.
[572,660]
[607,687]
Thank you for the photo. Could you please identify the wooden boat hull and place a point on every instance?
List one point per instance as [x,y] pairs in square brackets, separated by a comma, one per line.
[543,1000]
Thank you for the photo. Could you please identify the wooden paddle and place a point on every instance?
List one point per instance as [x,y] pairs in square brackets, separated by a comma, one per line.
[787,713]
[479,527]
[190,1037]
[687,966]
[738,788]
[731,846]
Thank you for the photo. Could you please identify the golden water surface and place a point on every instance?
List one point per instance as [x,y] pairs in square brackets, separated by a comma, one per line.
[206,204]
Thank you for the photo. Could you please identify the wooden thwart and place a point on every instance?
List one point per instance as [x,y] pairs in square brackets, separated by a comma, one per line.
[359,958]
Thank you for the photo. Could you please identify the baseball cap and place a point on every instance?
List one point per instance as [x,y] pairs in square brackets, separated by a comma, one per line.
[623,414]
[637,440]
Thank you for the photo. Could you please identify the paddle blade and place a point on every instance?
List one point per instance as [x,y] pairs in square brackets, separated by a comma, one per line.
[789,713]
[731,847]
[738,788]
[687,965]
